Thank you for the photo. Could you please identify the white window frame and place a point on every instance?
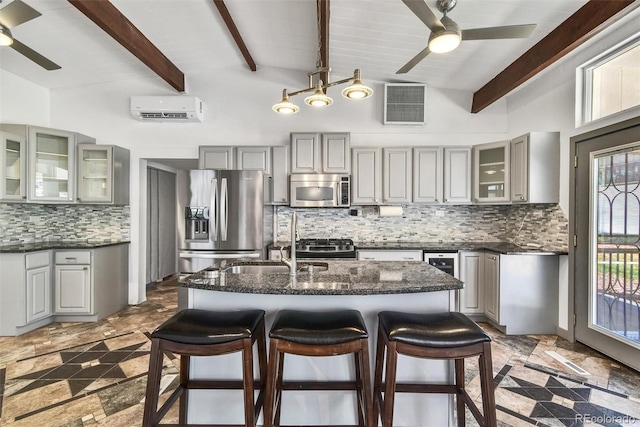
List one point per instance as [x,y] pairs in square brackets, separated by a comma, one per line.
[584,86]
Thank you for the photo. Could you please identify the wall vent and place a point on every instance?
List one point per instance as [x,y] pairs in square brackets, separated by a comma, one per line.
[404,103]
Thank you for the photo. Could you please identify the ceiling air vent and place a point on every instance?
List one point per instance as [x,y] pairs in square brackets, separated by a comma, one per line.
[180,109]
[404,103]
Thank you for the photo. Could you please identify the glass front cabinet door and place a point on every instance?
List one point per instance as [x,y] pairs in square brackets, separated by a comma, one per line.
[492,172]
[13,167]
[51,165]
[95,173]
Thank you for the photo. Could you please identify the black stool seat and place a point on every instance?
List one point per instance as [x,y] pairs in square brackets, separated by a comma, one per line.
[440,330]
[445,335]
[194,332]
[319,328]
[318,334]
[203,327]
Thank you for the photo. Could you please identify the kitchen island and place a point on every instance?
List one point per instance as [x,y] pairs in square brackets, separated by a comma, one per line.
[369,287]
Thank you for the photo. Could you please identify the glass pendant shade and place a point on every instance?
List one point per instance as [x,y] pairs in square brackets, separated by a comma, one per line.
[6,39]
[318,99]
[285,106]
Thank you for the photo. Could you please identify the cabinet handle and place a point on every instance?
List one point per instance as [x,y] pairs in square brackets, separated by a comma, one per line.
[408,258]
[71,259]
[24,197]
[367,257]
[521,197]
[86,268]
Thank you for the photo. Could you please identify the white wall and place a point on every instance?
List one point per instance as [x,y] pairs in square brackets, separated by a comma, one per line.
[22,101]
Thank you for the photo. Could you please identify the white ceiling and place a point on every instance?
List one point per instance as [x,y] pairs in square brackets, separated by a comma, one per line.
[377,36]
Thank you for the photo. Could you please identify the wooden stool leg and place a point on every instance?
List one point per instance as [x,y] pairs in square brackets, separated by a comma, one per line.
[262,366]
[366,384]
[184,382]
[247,383]
[390,384]
[377,379]
[359,395]
[153,384]
[270,394]
[486,384]
[460,384]
[279,380]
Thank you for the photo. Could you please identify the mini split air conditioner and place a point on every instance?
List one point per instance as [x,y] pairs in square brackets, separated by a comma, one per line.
[181,109]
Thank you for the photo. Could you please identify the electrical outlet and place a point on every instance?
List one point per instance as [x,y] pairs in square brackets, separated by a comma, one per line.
[439,213]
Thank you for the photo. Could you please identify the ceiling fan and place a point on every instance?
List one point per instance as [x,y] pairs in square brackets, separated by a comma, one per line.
[446,35]
[12,15]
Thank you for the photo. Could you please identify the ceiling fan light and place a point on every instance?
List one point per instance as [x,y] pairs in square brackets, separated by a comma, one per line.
[318,99]
[285,106]
[6,39]
[357,90]
[444,41]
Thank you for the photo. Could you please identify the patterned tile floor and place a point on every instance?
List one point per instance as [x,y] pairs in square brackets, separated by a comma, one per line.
[78,374]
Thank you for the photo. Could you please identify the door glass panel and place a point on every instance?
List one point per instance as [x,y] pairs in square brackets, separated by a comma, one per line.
[491,172]
[52,166]
[615,289]
[13,168]
[94,173]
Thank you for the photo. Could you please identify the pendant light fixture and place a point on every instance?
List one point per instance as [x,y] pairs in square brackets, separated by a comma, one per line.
[356,90]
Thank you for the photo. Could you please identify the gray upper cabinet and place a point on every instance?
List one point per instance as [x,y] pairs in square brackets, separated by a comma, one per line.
[366,177]
[457,175]
[492,172]
[535,168]
[320,153]
[216,157]
[51,165]
[280,174]
[397,175]
[103,174]
[254,158]
[427,175]
[13,167]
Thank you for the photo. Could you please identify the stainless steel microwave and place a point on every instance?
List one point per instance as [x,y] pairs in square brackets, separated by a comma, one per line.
[320,190]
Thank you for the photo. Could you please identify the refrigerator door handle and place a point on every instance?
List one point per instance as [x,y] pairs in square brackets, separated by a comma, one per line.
[224,209]
[218,256]
[213,215]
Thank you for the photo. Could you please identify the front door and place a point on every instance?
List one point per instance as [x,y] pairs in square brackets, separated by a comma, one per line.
[607,229]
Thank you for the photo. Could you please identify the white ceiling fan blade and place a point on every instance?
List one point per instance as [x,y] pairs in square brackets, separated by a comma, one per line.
[506,32]
[426,15]
[16,13]
[414,61]
[34,56]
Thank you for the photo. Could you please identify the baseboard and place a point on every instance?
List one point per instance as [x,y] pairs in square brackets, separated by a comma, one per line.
[564,333]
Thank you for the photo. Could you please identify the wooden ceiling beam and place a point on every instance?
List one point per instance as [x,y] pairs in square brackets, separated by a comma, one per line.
[235,33]
[577,29]
[105,15]
[323,22]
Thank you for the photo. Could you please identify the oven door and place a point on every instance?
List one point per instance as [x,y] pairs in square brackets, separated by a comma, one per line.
[444,261]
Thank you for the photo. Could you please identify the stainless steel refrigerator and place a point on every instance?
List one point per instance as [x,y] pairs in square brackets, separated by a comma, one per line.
[221,215]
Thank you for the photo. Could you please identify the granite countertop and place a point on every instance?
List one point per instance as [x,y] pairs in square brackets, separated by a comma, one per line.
[58,244]
[506,248]
[340,278]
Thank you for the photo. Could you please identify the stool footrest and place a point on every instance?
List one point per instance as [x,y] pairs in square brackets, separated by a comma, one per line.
[319,385]
[219,384]
[420,388]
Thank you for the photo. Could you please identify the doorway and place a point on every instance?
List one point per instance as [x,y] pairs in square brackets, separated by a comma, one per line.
[606,226]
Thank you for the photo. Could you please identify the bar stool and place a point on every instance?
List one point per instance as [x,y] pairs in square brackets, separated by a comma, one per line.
[325,333]
[194,332]
[449,335]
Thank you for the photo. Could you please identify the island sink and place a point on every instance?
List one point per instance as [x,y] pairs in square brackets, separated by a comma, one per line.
[254,267]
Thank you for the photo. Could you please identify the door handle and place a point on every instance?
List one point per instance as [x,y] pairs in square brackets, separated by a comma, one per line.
[224,209]
[213,215]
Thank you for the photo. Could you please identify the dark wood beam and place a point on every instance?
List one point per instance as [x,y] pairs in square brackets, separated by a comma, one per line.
[577,29]
[323,20]
[228,20]
[113,22]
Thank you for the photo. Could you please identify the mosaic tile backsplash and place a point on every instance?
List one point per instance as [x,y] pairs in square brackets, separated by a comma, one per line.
[22,222]
[544,225]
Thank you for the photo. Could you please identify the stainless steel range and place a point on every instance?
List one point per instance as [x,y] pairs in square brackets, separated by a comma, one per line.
[325,248]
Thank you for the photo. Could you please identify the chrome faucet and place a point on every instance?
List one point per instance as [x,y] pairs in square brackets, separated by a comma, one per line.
[291,262]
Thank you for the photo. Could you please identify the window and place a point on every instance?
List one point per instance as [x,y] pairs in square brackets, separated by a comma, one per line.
[611,81]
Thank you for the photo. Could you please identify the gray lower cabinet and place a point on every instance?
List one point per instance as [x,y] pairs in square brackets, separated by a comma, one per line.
[492,286]
[79,291]
[471,297]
